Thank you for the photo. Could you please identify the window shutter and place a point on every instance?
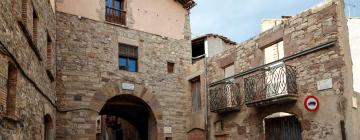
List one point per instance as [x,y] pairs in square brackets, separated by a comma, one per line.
[274,52]
[24,10]
[196,99]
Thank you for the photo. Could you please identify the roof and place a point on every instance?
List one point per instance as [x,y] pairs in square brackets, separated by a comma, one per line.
[225,39]
[187,4]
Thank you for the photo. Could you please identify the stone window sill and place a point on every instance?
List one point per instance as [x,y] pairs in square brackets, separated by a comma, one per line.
[116,24]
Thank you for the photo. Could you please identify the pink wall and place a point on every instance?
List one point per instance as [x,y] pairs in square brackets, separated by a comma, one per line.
[161,17]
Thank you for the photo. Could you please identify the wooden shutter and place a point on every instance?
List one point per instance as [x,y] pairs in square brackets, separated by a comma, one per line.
[35,27]
[274,52]
[11,85]
[24,4]
[196,99]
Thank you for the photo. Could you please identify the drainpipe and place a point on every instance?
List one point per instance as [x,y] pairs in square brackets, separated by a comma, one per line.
[206,114]
[206,118]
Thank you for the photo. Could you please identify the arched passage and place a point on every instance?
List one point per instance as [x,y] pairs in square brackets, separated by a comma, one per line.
[139,109]
[127,117]
[282,126]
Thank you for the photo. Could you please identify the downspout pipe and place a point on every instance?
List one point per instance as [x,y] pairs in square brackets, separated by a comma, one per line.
[206,114]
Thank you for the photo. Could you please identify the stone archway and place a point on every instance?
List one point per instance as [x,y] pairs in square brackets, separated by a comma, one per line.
[112,97]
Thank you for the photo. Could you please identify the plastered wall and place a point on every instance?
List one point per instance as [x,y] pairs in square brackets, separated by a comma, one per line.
[162,17]
[354,39]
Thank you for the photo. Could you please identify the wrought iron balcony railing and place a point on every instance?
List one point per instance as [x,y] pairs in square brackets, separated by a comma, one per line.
[271,85]
[225,97]
[115,15]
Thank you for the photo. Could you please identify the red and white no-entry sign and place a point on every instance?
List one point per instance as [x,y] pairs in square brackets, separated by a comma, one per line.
[311,103]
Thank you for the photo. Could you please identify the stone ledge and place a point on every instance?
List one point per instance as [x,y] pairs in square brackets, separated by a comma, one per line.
[273,100]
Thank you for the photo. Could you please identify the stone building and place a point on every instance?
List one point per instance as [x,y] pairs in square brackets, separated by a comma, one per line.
[128,69]
[99,69]
[27,69]
[210,45]
[122,62]
[275,71]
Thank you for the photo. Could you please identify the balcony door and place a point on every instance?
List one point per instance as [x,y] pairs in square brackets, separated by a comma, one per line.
[115,11]
[228,91]
[275,74]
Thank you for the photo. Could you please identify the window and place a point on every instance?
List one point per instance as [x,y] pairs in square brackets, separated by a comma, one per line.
[197,50]
[271,54]
[195,91]
[49,52]
[11,88]
[115,11]
[48,125]
[35,27]
[128,58]
[229,71]
[170,67]
[274,52]
[219,126]
[24,5]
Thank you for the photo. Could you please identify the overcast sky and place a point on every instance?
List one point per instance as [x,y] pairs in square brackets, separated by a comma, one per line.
[240,19]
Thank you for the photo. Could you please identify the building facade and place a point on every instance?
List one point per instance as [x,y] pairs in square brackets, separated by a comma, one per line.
[277,71]
[118,64]
[203,47]
[27,70]
[128,69]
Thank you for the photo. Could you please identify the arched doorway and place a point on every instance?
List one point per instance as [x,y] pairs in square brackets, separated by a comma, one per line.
[48,127]
[282,126]
[126,117]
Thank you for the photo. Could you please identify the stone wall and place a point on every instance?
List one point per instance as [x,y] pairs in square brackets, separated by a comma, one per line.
[87,67]
[304,31]
[32,92]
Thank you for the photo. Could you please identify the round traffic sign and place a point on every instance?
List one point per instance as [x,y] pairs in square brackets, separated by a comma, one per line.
[311,103]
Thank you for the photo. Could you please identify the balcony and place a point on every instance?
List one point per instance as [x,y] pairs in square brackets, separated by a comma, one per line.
[224,97]
[271,85]
[115,15]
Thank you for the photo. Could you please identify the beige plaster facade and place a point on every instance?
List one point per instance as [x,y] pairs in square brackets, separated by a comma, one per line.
[162,17]
[354,38]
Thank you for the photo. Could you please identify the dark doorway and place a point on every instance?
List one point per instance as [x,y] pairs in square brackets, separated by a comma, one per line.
[126,117]
[282,128]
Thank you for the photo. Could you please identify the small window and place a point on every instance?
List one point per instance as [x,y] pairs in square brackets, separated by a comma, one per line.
[24,7]
[48,127]
[219,126]
[49,52]
[195,93]
[35,27]
[229,71]
[170,67]
[128,58]
[11,88]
